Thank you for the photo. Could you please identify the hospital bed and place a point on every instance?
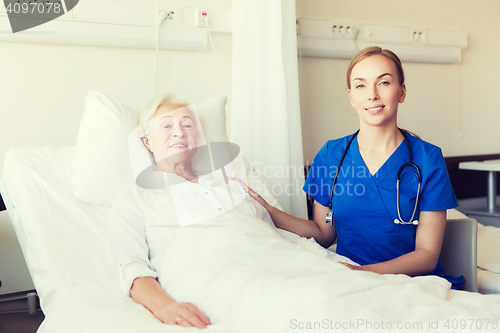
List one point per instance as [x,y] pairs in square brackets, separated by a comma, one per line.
[59,201]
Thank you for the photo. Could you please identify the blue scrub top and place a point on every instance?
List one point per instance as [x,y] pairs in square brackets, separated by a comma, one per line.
[364,205]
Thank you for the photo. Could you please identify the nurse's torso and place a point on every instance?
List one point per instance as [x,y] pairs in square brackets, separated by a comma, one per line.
[365,206]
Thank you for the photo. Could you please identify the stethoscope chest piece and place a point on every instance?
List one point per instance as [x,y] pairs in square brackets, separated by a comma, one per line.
[414,222]
[330,218]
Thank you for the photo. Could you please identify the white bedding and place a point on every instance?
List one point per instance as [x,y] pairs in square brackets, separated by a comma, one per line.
[244,281]
[488,282]
[67,241]
[488,259]
[488,248]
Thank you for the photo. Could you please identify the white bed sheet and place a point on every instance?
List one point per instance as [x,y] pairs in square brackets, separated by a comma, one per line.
[488,259]
[67,252]
[488,248]
[66,241]
[488,282]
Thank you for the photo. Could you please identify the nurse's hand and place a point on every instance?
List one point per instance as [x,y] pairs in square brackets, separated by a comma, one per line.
[354,268]
[251,192]
[183,314]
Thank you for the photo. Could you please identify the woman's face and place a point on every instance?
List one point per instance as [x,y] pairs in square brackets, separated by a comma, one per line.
[375,90]
[173,134]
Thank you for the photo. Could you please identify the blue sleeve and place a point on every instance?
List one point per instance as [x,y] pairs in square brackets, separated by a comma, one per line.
[319,178]
[437,193]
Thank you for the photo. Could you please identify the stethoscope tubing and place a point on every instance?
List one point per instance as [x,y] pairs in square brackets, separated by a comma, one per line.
[330,216]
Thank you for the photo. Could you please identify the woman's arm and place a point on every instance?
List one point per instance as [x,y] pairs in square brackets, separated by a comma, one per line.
[130,255]
[149,293]
[429,238]
[324,234]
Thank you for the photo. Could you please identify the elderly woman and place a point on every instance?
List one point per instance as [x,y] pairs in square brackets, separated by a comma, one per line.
[149,226]
[172,141]
[171,132]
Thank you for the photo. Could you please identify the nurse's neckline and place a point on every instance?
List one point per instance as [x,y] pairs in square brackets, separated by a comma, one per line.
[381,162]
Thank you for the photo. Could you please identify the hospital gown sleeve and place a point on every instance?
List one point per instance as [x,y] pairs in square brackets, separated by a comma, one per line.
[437,193]
[129,248]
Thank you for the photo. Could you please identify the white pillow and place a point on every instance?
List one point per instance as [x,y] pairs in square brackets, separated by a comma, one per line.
[102,165]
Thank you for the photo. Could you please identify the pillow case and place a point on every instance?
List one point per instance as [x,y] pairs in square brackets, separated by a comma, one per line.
[101,163]
[102,166]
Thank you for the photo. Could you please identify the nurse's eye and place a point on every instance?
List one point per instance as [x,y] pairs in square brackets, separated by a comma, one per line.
[359,86]
[384,83]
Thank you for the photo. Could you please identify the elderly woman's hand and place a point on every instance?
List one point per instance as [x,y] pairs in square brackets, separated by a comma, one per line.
[148,292]
[251,192]
[183,314]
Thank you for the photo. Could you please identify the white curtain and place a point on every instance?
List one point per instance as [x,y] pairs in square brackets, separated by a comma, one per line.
[265,113]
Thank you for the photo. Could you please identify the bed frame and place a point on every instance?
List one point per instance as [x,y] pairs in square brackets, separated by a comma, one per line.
[459,251]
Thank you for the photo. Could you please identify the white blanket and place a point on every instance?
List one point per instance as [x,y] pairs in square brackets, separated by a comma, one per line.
[242,275]
[246,278]
[488,248]
[241,272]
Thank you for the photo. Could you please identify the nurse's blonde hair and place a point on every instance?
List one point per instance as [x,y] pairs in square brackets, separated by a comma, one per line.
[371,51]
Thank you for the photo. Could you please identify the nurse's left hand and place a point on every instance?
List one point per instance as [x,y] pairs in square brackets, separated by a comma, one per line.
[355,268]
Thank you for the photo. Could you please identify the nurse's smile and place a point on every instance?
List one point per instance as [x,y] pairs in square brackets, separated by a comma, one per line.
[375,109]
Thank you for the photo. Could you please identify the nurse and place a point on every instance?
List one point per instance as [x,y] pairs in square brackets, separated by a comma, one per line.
[365,197]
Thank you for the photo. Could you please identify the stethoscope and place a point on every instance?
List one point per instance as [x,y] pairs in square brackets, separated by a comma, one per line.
[330,217]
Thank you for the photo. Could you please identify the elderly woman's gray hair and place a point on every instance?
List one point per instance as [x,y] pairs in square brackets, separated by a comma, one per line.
[149,109]
[148,113]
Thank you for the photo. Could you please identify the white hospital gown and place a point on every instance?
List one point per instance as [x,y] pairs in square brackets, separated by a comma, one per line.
[142,221]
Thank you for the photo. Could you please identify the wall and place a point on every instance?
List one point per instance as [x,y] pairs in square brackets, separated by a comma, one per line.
[437,94]
[43,86]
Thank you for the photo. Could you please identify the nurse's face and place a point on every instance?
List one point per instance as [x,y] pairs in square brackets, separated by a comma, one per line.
[375,91]
[173,134]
